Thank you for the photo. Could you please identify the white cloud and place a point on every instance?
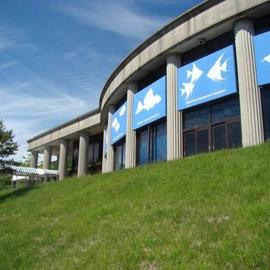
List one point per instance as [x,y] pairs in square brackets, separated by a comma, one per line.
[114,16]
[29,114]
[8,64]
[70,55]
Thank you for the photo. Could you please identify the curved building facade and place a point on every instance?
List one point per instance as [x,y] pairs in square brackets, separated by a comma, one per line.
[199,84]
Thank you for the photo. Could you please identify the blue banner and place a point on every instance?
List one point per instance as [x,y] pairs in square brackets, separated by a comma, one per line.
[149,104]
[262,55]
[206,79]
[118,128]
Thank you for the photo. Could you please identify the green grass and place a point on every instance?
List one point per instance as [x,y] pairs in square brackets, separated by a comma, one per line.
[204,212]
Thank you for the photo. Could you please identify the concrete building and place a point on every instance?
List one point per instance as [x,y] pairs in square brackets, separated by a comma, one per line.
[199,84]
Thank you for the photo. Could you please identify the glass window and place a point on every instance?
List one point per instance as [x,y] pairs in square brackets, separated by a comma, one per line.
[159,147]
[224,110]
[215,127]
[142,147]
[219,138]
[119,159]
[234,134]
[189,144]
[266,111]
[152,144]
[196,118]
[93,153]
[202,141]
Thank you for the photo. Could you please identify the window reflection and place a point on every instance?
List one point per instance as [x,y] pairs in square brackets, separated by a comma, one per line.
[152,143]
[120,153]
[196,118]
[226,109]
[266,111]
[214,127]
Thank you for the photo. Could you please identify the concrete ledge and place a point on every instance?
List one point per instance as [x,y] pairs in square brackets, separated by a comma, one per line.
[72,127]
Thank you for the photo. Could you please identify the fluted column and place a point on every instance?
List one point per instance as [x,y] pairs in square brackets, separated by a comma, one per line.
[47,157]
[34,159]
[104,154]
[63,158]
[110,153]
[174,123]
[83,154]
[249,94]
[130,158]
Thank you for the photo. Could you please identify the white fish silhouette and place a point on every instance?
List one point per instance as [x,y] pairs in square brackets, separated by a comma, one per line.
[195,74]
[215,73]
[187,89]
[266,59]
[115,124]
[122,110]
[149,102]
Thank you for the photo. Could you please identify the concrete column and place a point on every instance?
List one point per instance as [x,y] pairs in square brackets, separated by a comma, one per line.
[63,157]
[47,157]
[71,154]
[130,158]
[174,117]
[57,161]
[110,153]
[104,155]
[34,159]
[249,94]
[83,154]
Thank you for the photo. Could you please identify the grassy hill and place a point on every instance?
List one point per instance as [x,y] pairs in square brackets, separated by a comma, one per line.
[204,212]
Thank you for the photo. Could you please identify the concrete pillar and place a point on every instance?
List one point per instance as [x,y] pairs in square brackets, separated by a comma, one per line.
[34,159]
[57,161]
[83,154]
[63,158]
[130,158]
[174,117]
[47,157]
[249,94]
[71,155]
[110,153]
[104,155]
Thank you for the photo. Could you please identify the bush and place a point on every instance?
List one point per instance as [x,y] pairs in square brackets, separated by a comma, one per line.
[5,181]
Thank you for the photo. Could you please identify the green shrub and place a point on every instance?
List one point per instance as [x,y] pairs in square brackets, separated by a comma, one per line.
[5,181]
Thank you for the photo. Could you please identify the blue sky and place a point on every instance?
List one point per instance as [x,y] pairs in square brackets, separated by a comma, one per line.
[56,55]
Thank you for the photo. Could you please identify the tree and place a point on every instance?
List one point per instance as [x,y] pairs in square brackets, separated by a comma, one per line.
[7,147]
[26,160]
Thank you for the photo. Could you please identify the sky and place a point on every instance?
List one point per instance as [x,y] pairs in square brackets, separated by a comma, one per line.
[56,55]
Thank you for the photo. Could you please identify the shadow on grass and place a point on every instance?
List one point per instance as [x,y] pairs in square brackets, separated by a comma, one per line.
[16,193]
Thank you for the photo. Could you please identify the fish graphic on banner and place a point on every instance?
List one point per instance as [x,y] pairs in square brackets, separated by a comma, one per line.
[206,79]
[262,57]
[149,104]
[118,129]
